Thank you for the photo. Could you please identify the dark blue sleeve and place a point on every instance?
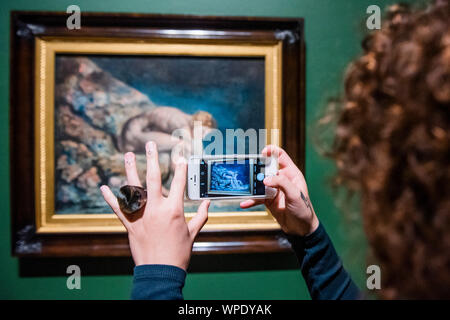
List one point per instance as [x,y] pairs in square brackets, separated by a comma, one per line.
[158,282]
[321,267]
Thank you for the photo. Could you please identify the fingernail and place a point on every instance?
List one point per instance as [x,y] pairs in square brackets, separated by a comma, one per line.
[129,157]
[268,179]
[150,146]
[103,188]
[181,161]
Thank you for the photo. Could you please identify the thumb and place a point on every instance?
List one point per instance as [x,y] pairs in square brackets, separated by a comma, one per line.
[198,221]
[284,184]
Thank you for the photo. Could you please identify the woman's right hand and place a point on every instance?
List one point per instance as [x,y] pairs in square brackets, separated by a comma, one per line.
[291,206]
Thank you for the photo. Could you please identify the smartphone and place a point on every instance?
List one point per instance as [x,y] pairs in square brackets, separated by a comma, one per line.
[230,177]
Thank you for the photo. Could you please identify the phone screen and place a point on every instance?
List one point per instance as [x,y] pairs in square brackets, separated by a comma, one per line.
[231,177]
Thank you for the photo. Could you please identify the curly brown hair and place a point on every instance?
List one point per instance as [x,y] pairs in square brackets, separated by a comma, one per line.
[392,146]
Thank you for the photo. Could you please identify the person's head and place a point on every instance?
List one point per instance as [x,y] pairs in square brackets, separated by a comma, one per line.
[206,120]
[392,146]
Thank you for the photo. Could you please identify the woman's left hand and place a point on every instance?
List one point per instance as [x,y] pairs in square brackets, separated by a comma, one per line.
[158,233]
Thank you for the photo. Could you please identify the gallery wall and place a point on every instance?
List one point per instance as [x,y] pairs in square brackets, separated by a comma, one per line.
[333,31]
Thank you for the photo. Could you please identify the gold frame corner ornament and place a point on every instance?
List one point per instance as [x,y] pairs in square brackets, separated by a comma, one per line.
[46,48]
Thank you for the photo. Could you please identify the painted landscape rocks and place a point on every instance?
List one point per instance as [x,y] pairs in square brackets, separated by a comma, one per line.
[91,107]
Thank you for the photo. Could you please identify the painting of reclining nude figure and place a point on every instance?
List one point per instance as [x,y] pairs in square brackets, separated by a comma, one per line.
[107,105]
[230,177]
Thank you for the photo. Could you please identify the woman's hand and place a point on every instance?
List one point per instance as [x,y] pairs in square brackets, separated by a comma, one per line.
[159,234]
[291,207]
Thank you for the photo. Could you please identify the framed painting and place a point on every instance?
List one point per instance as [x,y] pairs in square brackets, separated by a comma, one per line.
[82,98]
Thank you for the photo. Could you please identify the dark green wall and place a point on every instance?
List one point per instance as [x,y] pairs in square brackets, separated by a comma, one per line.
[333,30]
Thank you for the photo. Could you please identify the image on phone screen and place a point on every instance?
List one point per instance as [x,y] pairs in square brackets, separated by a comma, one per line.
[231,177]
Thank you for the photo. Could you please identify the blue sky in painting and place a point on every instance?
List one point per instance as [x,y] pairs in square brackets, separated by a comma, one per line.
[231,89]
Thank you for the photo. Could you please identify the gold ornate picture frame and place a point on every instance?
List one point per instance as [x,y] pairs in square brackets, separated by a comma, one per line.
[47,220]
